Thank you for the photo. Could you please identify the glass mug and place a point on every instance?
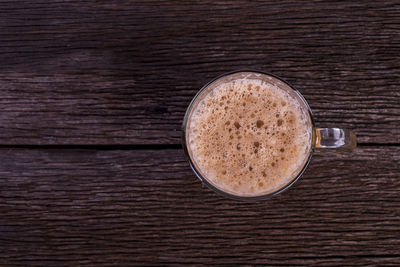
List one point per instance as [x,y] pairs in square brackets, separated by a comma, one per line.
[320,138]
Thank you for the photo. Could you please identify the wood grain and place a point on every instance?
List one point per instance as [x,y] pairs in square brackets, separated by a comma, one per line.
[69,207]
[123,72]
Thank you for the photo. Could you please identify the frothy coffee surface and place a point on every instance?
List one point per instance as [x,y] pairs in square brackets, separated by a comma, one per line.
[249,137]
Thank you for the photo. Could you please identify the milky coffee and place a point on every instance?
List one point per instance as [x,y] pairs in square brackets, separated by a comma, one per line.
[248,137]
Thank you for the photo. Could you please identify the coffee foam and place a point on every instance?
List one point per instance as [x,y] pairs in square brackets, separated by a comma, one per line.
[249,137]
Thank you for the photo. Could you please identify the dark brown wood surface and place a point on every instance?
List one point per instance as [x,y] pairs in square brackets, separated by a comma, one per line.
[92,97]
[146,207]
[123,72]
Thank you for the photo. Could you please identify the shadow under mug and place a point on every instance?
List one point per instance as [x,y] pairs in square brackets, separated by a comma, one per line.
[321,138]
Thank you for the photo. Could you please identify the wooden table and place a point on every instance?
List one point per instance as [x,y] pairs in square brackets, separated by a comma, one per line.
[92,97]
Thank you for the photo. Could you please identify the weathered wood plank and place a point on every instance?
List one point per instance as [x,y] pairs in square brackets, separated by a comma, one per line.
[104,207]
[123,72]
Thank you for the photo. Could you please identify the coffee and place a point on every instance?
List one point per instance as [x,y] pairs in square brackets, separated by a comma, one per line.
[248,136]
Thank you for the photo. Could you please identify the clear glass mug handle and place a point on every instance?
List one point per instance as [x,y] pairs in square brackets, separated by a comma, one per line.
[335,138]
